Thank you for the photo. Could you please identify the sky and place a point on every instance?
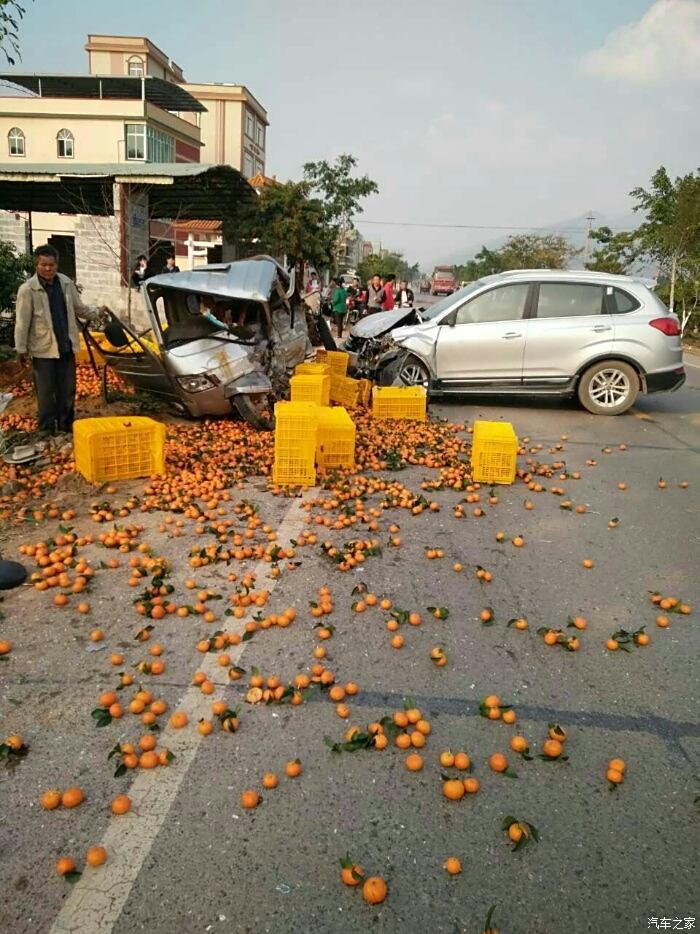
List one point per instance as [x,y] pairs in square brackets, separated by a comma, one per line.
[480,113]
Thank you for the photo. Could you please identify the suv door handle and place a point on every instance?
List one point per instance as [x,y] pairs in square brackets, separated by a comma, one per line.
[510,335]
[602,327]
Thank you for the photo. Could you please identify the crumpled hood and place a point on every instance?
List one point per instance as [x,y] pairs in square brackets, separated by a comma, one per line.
[380,322]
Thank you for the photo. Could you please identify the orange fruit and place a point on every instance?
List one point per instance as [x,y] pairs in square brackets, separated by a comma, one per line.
[293,769]
[492,700]
[121,804]
[461,761]
[417,739]
[351,875]
[250,799]
[552,748]
[269,780]
[148,742]
[374,890]
[471,785]
[518,744]
[557,732]
[149,759]
[414,762]
[95,856]
[662,622]
[508,716]
[452,866]
[50,799]
[72,797]
[179,719]
[612,645]
[498,762]
[447,759]
[65,865]
[515,832]
[108,698]
[618,764]
[453,789]
[614,776]
[205,727]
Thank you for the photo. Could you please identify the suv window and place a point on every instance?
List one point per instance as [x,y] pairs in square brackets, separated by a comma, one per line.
[622,302]
[569,299]
[505,303]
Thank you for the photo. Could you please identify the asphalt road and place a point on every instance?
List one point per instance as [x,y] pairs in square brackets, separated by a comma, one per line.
[188,858]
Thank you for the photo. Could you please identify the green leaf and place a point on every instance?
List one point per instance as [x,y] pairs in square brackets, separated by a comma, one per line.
[534,831]
[120,770]
[247,636]
[507,821]
[72,877]
[358,588]
[509,773]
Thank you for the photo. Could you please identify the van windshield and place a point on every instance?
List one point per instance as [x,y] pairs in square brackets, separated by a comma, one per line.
[449,301]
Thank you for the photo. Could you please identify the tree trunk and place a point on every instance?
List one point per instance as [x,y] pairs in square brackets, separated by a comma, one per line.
[672,293]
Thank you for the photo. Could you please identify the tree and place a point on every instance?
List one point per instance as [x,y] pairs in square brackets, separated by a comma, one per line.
[339,192]
[284,220]
[386,263]
[521,251]
[671,235]
[537,251]
[10,15]
[617,253]
[14,267]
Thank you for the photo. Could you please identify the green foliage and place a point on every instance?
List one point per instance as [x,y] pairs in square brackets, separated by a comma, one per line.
[521,251]
[10,15]
[302,220]
[385,264]
[14,267]
[616,253]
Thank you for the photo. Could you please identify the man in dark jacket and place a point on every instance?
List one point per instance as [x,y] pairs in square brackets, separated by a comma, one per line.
[374,295]
[46,331]
[404,296]
[170,264]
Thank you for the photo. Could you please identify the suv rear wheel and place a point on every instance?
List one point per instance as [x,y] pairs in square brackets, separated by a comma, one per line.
[608,388]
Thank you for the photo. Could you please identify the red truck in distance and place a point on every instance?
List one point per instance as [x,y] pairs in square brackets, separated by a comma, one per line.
[443,280]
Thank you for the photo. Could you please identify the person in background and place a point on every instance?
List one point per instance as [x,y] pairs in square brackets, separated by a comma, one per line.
[339,304]
[374,295]
[388,293]
[170,264]
[404,296]
[46,330]
[139,274]
[313,284]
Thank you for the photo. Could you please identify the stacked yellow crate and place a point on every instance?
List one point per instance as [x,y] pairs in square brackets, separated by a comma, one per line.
[335,443]
[296,429]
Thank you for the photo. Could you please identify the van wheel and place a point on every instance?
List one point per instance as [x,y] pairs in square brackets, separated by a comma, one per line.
[252,407]
[608,388]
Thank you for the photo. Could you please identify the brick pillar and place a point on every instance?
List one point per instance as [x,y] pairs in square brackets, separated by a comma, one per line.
[15,230]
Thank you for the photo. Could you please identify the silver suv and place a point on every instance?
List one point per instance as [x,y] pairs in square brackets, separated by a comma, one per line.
[525,332]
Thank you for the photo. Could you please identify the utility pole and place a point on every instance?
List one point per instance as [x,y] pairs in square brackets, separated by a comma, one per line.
[590,218]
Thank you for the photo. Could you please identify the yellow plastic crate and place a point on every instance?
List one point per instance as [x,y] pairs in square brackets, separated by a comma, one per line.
[118,448]
[365,392]
[296,423]
[337,360]
[494,452]
[307,388]
[321,355]
[83,355]
[312,369]
[294,468]
[335,444]
[345,390]
[400,402]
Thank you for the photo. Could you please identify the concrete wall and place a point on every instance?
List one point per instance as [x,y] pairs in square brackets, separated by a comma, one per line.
[15,230]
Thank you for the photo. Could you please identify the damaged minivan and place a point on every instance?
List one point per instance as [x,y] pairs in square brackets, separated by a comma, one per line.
[223,337]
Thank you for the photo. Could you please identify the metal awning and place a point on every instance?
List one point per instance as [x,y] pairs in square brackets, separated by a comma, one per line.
[164,94]
[179,190]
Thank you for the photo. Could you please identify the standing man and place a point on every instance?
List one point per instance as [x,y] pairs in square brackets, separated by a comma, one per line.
[374,295]
[388,294]
[170,264]
[339,304]
[404,296]
[46,329]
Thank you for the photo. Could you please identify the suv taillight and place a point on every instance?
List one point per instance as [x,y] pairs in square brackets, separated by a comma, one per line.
[668,326]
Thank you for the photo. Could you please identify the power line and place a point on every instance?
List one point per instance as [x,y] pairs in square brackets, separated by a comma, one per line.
[362,220]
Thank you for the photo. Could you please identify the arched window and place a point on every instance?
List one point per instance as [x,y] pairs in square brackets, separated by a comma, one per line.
[15,141]
[135,67]
[64,142]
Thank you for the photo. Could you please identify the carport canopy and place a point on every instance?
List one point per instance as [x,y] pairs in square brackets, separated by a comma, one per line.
[183,190]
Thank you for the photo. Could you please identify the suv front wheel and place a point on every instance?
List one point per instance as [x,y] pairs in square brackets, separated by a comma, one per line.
[608,388]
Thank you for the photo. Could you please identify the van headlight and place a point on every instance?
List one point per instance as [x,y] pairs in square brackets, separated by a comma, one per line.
[195,383]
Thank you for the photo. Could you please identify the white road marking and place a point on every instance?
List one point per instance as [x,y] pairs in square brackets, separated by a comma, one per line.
[98,897]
